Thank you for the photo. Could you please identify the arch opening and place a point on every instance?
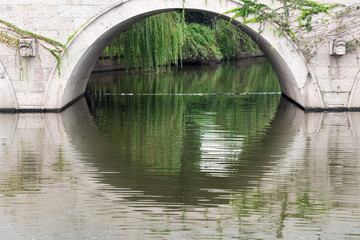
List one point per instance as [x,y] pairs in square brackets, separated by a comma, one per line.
[295,77]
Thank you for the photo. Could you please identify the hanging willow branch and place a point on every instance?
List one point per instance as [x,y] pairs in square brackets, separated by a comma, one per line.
[166,39]
[153,42]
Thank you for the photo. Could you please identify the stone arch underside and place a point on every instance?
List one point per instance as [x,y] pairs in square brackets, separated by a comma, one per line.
[295,77]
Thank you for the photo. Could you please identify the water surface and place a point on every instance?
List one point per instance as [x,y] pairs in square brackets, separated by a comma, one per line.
[140,160]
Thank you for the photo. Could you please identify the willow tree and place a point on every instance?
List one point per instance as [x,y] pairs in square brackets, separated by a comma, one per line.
[232,41]
[153,42]
[165,39]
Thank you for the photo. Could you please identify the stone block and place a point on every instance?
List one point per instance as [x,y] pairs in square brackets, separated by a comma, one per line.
[338,86]
[348,73]
[42,74]
[324,59]
[77,11]
[27,48]
[29,99]
[349,60]
[60,36]
[322,74]
[6,50]
[55,24]
[335,99]
[13,73]
[337,47]
[28,85]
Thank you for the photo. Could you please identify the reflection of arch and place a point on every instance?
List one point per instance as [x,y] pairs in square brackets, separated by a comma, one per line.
[82,131]
[294,75]
[8,99]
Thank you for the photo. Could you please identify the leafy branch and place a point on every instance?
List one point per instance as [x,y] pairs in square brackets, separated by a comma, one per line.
[252,11]
[310,8]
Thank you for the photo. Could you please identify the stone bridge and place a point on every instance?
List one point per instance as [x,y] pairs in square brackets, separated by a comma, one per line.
[320,70]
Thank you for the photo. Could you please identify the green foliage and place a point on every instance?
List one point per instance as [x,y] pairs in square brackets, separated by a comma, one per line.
[244,76]
[12,34]
[152,42]
[200,43]
[165,39]
[250,8]
[231,40]
[134,119]
[28,33]
[260,12]
[352,45]
[73,35]
[310,8]
[8,40]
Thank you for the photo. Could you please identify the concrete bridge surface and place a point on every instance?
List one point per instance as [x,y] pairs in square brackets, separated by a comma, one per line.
[320,70]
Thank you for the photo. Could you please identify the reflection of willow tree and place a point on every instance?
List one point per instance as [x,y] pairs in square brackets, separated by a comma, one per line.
[164,132]
[27,175]
[247,76]
[152,129]
[158,141]
[275,207]
[144,129]
[282,194]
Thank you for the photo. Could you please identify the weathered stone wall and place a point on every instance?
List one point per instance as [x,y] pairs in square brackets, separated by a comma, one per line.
[53,19]
[337,76]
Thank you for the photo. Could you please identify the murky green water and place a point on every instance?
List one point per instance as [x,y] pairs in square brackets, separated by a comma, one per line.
[139,160]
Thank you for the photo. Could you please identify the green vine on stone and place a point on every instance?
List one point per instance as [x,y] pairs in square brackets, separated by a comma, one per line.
[13,41]
[310,8]
[258,11]
[8,40]
[11,34]
[252,11]
[27,34]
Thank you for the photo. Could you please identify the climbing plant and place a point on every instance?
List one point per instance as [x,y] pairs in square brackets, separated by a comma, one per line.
[8,40]
[252,11]
[11,35]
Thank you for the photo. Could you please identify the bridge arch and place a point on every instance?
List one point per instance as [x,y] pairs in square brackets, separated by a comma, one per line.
[295,77]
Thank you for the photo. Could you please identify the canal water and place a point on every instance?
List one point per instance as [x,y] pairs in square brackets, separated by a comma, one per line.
[206,152]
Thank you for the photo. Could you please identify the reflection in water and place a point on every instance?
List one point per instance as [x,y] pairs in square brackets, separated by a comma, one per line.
[246,76]
[180,167]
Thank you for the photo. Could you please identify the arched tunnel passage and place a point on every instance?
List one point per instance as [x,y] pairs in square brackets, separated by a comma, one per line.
[295,78]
